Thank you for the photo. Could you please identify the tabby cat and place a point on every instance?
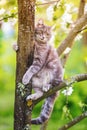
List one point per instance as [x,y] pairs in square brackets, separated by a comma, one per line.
[45,71]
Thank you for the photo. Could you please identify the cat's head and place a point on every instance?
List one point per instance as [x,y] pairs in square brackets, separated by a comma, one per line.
[42,32]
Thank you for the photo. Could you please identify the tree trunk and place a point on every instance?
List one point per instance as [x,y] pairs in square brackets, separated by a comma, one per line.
[22,113]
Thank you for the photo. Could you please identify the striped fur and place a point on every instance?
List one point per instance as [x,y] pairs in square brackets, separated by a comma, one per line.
[46,110]
[45,71]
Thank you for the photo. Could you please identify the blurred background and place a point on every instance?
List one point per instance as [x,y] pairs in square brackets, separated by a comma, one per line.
[60,15]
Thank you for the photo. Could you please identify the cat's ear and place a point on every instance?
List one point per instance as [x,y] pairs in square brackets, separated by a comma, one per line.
[41,21]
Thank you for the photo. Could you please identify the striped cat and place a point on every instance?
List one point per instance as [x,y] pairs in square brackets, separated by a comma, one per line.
[45,71]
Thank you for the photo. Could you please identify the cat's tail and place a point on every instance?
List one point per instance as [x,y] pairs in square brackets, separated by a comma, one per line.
[46,110]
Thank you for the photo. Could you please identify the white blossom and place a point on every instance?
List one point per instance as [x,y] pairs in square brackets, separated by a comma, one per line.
[68,7]
[67,18]
[75,10]
[64,27]
[78,37]
[85,9]
[15,8]
[49,13]
[67,91]
[13,21]
[67,50]
[2,11]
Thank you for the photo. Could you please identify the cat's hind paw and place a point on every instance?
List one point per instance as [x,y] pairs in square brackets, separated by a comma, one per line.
[34,96]
[31,97]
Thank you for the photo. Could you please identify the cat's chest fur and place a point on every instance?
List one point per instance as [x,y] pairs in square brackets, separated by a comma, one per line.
[50,68]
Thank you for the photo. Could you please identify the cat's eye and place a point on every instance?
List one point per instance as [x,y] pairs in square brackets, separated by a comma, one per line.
[47,34]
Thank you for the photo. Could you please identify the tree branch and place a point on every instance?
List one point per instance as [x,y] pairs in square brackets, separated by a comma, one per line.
[74,121]
[13,14]
[51,2]
[80,13]
[81,22]
[77,78]
[9,16]
[81,8]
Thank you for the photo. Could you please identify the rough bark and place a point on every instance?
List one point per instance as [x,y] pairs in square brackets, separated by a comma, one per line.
[22,113]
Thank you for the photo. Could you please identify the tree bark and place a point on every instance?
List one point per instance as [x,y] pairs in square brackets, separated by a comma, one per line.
[22,114]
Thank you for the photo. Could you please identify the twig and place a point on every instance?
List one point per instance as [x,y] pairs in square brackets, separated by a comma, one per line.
[51,2]
[74,121]
[77,78]
[10,16]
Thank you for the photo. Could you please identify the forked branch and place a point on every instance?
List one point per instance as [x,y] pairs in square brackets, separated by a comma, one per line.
[81,22]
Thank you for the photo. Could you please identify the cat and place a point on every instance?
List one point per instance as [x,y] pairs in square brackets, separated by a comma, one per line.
[45,72]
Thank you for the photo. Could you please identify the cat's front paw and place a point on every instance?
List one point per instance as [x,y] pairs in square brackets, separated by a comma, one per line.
[46,88]
[31,97]
[25,79]
[15,47]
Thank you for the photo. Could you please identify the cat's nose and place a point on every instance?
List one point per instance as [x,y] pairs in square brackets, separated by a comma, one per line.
[42,38]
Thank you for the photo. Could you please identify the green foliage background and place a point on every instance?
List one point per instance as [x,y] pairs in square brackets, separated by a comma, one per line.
[76,64]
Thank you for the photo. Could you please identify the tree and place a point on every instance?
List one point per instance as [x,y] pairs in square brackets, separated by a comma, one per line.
[25,57]
[25,43]
[24,60]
